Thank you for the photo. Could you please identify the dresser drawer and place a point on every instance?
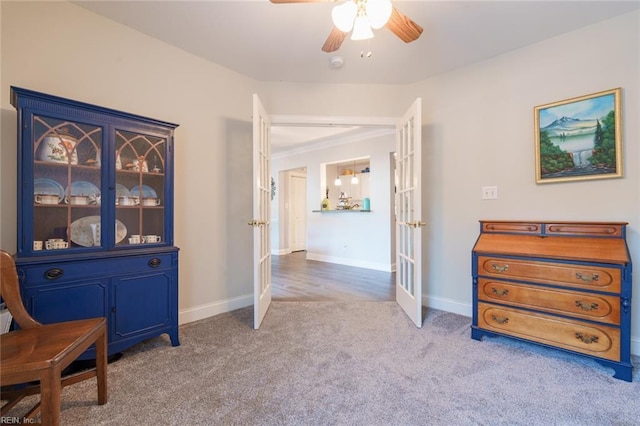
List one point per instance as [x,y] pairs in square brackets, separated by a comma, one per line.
[594,307]
[54,272]
[590,277]
[590,339]
[586,229]
[512,227]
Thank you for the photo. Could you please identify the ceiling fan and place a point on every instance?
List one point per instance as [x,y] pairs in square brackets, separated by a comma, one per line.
[361,16]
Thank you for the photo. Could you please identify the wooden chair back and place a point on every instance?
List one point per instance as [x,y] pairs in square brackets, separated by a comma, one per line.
[36,354]
[10,292]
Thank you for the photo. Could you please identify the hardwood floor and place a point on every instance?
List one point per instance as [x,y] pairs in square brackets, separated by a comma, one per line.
[296,279]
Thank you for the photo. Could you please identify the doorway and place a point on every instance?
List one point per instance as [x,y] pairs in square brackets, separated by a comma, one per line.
[297,211]
[297,278]
[408,288]
[304,143]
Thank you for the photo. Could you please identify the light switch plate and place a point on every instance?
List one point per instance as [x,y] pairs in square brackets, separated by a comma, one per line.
[489,192]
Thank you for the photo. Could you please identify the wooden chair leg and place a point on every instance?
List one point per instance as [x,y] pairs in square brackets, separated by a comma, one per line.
[50,388]
[101,367]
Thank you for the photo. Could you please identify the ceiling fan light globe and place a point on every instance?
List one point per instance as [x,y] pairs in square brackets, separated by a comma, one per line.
[379,12]
[361,29]
[343,16]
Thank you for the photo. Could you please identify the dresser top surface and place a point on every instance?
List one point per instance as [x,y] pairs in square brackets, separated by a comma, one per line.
[588,249]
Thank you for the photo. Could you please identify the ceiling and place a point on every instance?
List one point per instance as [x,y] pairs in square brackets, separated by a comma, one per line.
[282,42]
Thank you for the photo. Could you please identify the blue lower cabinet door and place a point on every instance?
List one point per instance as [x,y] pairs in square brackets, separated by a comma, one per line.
[142,304]
[68,301]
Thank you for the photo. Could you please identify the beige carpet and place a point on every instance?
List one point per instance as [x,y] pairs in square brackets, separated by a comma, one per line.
[350,363]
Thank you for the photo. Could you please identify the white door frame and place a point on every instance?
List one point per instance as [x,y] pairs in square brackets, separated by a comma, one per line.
[333,121]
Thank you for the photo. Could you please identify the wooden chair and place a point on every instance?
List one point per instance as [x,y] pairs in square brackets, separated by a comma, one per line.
[39,353]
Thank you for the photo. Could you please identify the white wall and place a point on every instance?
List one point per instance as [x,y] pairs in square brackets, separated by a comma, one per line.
[91,59]
[348,238]
[478,130]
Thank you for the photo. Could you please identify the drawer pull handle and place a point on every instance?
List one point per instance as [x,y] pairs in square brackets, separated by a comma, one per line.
[586,277]
[54,274]
[586,306]
[585,338]
[500,320]
[155,262]
[500,291]
[500,268]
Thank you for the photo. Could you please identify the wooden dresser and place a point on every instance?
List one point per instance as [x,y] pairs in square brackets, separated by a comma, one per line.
[565,285]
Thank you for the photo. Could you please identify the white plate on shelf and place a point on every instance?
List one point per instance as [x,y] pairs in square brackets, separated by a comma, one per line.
[147,192]
[48,187]
[82,233]
[82,187]
[122,191]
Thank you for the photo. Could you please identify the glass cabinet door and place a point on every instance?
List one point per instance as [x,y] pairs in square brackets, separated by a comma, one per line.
[140,177]
[67,163]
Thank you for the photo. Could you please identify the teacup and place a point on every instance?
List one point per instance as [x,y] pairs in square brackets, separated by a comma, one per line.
[37,245]
[77,200]
[134,239]
[94,198]
[56,243]
[127,201]
[151,238]
[140,165]
[46,199]
[151,201]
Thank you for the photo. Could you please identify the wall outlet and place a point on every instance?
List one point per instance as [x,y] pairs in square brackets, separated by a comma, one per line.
[489,192]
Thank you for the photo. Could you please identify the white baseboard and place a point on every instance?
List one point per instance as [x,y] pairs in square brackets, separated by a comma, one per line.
[386,267]
[205,311]
[448,305]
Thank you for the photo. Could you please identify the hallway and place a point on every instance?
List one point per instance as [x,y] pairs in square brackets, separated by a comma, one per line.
[296,279]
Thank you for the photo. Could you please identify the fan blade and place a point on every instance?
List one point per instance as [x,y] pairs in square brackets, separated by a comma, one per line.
[334,41]
[403,27]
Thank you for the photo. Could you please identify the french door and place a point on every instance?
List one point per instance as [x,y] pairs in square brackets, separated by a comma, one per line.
[409,212]
[261,212]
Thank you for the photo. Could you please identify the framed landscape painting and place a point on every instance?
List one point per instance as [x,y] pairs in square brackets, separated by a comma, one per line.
[579,138]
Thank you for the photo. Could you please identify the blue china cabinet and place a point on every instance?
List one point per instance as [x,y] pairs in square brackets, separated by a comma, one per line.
[95,217]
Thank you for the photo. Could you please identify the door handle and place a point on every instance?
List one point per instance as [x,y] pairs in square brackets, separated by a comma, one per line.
[414,224]
[54,274]
[256,223]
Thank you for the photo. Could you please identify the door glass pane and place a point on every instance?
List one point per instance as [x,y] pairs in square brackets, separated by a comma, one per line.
[67,186]
[140,166]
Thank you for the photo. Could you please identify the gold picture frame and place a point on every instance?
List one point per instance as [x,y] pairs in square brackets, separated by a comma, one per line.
[579,138]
